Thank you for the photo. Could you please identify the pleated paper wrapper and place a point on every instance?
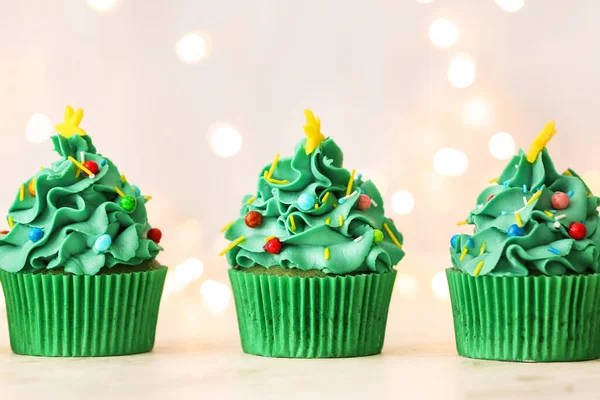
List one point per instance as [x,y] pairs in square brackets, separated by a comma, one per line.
[82,316]
[533,318]
[298,317]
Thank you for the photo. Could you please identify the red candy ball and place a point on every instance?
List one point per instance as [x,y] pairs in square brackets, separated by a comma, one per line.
[155,235]
[491,197]
[253,219]
[92,166]
[273,246]
[364,202]
[560,201]
[577,231]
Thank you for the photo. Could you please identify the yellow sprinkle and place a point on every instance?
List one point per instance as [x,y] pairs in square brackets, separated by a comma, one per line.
[464,253]
[327,221]
[251,200]
[22,193]
[269,238]
[535,197]
[389,231]
[278,182]
[123,178]
[80,166]
[82,161]
[292,223]
[482,249]
[325,197]
[41,168]
[478,269]
[119,192]
[233,244]
[223,229]
[272,169]
[341,220]
[549,214]
[326,253]
[495,180]
[519,220]
[11,223]
[335,205]
[462,223]
[316,206]
[541,141]
[350,182]
[568,173]
[148,198]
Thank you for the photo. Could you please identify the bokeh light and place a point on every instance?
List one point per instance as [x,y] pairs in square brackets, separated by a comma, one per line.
[407,286]
[215,296]
[38,129]
[225,140]
[502,146]
[476,112]
[439,285]
[450,162]
[104,6]
[510,5]
[443,33]
[191,269]
[461,71]
[403,202]
[192,47]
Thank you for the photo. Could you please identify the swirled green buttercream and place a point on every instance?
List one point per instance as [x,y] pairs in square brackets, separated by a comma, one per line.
[335,236]
[73,211]
[523,196]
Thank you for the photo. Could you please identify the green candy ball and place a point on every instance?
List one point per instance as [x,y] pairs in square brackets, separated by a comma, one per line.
[128,203]
[378,236]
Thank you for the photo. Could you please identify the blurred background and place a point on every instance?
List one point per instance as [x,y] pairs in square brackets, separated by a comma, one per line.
[190,99]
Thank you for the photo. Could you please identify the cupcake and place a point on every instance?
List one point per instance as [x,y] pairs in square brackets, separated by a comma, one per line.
[525,286]
[78,264]
[312,257]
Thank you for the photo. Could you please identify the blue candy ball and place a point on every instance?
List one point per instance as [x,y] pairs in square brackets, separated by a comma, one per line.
[103,243]
[306,201]
[454,241]
[35,234]
[136,190]
[514,230]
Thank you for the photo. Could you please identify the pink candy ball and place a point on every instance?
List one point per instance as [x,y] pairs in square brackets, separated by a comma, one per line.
[364,202]
[560,201]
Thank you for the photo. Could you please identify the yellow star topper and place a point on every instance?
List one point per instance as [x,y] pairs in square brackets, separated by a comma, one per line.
[313,132]
[541,141]
[70,126]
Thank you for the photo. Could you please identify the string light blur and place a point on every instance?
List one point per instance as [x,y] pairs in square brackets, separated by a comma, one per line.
[191,269]
[403,202]
[461,71]
[104,6]
[439,285]
[510,5]
[215,296]
[450,162]
[38,129]
[407,286]
[225,140]
[502,146]
[443,33]
[191,48]
[476,112]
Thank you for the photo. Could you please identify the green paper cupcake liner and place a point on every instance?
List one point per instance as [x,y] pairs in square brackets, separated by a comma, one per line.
[297,317]
[533,318]
[82,316]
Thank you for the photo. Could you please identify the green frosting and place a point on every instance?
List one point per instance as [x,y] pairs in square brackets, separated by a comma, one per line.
[351,244]
[72,213]
[546,246]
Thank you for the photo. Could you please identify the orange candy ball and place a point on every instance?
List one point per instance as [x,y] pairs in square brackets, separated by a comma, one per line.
[253,219]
